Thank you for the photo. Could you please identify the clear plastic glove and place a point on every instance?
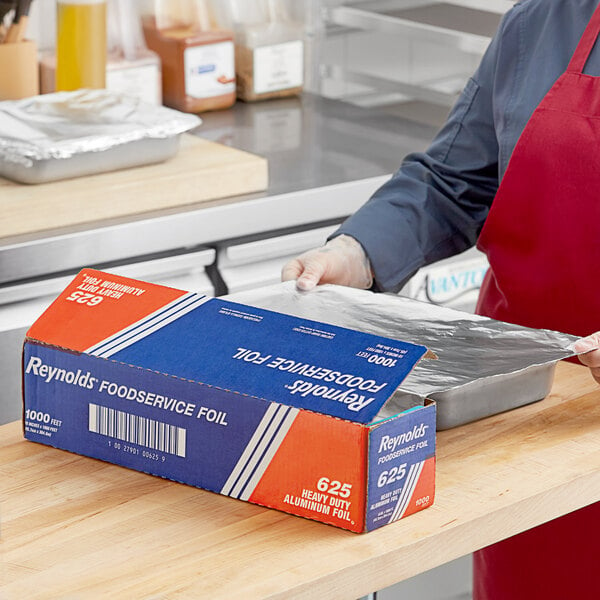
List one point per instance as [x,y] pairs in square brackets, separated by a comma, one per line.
[341,260]
[590,345]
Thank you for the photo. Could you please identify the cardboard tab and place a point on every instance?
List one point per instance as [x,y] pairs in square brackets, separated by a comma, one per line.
[297,362]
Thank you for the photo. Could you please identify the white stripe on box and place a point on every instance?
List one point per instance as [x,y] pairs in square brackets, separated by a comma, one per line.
[100,345]
[150,330]
[407,491]
[249,449]
[269,454]
[259,451]
[147,326]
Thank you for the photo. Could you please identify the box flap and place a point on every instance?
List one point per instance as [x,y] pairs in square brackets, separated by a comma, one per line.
[298,362]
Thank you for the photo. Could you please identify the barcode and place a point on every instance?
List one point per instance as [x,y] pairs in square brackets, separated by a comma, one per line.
[137,430]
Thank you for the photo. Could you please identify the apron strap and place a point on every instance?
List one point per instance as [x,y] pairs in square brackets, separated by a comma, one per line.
[586,43]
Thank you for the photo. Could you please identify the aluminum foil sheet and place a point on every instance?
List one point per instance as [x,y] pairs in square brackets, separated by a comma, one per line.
[65,124]
[469,348]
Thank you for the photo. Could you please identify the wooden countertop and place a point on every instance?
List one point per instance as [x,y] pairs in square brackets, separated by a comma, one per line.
[200,171]
[74,527]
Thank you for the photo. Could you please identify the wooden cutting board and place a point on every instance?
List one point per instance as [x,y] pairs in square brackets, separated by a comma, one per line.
[200,171]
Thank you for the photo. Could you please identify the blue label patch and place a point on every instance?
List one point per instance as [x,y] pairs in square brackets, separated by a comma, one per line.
[397,453]
[142,420]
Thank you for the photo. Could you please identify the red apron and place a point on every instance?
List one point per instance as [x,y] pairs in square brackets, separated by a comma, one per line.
[542,239]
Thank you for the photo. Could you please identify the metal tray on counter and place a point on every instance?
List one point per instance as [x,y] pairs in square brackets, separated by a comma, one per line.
[124,156]
[73,134]
[480,398]
[483,366]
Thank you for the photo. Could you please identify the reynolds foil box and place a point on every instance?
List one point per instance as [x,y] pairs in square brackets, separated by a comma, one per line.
[257,405]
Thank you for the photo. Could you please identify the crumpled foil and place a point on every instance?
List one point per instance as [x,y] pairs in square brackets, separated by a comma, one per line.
[469,347]
[64,124]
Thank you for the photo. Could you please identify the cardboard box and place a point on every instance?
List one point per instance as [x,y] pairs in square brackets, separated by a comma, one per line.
[452,282]
[253,404]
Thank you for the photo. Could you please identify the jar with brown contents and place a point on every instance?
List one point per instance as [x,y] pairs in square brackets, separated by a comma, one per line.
[198,68]
[269,49]
[269,70]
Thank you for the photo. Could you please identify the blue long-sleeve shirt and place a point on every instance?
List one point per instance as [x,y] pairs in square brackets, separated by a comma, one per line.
[435,205]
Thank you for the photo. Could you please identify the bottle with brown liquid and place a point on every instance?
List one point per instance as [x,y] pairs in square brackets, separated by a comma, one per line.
[198,65]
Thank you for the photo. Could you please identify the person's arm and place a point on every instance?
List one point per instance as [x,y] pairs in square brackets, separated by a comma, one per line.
[435,204]
[342,261]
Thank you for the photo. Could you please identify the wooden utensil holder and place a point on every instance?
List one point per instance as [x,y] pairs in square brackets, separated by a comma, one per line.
[19,75]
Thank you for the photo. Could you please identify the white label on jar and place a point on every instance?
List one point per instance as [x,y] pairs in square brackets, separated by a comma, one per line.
[142,82]
[278,67]
[209,70]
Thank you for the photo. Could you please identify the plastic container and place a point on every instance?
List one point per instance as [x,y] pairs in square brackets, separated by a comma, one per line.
[80,44]
[131,67]
[198,69]
[139,77]
[269,48]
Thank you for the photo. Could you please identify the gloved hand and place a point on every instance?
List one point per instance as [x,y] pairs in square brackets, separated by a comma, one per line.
[591,346]
[341,260]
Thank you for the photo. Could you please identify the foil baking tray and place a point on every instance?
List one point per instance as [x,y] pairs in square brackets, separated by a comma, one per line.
[483,366]
[72,134]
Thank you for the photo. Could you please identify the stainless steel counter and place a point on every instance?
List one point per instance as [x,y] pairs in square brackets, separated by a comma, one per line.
[313,142]
[325,158]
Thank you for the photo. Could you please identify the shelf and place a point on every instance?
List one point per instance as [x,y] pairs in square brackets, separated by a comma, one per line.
[392,51]
[440,92]
[454,25]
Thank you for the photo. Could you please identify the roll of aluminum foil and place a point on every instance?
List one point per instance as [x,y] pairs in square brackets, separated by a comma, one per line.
[470,348]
